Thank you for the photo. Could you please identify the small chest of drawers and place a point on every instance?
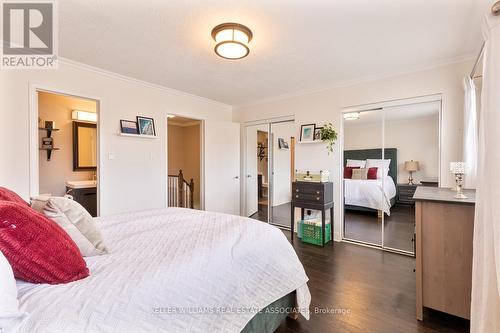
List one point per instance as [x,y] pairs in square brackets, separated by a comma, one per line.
[405,193]
[311,195]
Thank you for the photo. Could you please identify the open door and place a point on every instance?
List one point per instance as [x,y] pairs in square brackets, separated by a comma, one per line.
[222,167]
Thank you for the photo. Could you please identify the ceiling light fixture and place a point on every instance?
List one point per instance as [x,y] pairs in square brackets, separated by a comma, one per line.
[232,40]
[170,116]
[351,116]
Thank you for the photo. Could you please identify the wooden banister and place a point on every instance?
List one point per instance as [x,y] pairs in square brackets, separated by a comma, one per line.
[181,192]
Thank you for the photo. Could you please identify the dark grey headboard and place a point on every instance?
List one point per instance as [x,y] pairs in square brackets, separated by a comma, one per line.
[363,154]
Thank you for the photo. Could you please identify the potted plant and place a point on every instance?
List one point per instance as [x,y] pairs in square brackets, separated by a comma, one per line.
[329,136]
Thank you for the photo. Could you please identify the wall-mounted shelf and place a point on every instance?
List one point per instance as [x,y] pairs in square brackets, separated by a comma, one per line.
[304,142]
[49,130]
[49,152]
[143,136]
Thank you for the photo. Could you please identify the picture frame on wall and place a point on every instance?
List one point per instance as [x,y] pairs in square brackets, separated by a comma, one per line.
[307,132]
[128,127]
[146,126]
[317,133]
[282,144]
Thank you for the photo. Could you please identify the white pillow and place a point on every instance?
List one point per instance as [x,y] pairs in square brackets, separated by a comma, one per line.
[78,223]
[9,305]
[382,165]
[356,163]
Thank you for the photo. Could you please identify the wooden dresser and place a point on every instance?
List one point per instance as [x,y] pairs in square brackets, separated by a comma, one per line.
[312,195]
[444,235]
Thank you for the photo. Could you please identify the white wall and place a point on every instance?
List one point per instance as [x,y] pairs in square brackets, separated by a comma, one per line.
[415,139]
[326,106]
[136,178]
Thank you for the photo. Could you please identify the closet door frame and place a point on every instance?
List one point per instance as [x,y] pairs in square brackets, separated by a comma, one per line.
[269,122]
[382,106]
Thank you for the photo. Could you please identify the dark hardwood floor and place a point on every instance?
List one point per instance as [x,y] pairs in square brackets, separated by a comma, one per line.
[398,228]
[280,214]
[370,290]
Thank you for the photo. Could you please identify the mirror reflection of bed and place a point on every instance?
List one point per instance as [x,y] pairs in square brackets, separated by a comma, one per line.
[388,152]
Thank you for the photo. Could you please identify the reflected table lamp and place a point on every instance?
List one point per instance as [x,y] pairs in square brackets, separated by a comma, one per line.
[458,169]
[411,166]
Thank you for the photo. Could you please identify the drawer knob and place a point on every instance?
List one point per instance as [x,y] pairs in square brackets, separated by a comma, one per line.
[296,190]
[317,198]
[317,192]
[296,195]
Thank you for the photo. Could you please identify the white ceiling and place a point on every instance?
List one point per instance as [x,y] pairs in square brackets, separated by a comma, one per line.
[298,45]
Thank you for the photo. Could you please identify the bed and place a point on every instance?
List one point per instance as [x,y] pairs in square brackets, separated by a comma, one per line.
[175,270]
[371,195]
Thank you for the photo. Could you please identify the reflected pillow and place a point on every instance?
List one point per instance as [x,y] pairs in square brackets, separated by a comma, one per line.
[348,172]
[78,223]
[382,165]
[360,174]
[356,163]
[372,173]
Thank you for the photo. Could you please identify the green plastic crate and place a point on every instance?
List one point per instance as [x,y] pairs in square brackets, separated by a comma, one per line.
[311,233]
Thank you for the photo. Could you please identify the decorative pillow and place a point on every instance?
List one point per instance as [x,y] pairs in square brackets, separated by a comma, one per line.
[372,173]
[382,165]
[38,250]
[356,163]
[8,195]
[9,305]
[38,202]
[360,173]
[77,222]
[348,172]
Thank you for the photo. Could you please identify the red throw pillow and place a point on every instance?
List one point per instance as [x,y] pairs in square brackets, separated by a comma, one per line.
[8,195]
[38,250]
[372,173]
[348,172]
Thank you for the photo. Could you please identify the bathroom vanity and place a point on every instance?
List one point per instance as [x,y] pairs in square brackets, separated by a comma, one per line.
[85,193]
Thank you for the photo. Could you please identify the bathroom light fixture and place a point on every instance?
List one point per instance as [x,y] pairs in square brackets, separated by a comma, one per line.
[351,116]
[232,40]
[84,116]
[169,116]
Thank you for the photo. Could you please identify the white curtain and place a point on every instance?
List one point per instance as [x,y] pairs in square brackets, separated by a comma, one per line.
[485,309]
[470,133]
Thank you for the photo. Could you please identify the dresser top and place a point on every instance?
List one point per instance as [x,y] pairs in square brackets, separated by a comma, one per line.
[443,194]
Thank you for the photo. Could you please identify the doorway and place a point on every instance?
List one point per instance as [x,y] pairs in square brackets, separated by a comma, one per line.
[67,145]
[184,162]
[269,165]
[389,150]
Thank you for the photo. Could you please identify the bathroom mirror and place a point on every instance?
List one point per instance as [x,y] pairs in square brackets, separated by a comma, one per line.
[84,146]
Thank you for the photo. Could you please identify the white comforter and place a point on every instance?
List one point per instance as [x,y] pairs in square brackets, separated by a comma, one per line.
[172,270]
[374,194]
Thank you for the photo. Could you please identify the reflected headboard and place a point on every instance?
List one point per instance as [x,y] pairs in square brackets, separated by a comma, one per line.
[363,154]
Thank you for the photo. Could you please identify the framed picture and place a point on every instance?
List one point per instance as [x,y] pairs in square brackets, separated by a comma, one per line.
[307,132]
[317,133]
[128,127]
[146,126]
[282,144]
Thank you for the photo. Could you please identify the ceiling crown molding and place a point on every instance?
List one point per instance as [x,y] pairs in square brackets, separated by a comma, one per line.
[129,79]
[357,81]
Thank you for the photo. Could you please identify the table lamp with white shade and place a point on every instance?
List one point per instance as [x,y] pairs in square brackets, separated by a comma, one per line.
[411,166]
[458,169]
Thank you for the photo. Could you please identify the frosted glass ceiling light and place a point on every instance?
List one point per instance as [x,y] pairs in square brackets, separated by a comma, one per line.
[232,40]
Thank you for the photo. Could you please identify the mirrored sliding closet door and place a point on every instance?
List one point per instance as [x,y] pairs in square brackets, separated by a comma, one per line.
[388,152]
[269,153]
